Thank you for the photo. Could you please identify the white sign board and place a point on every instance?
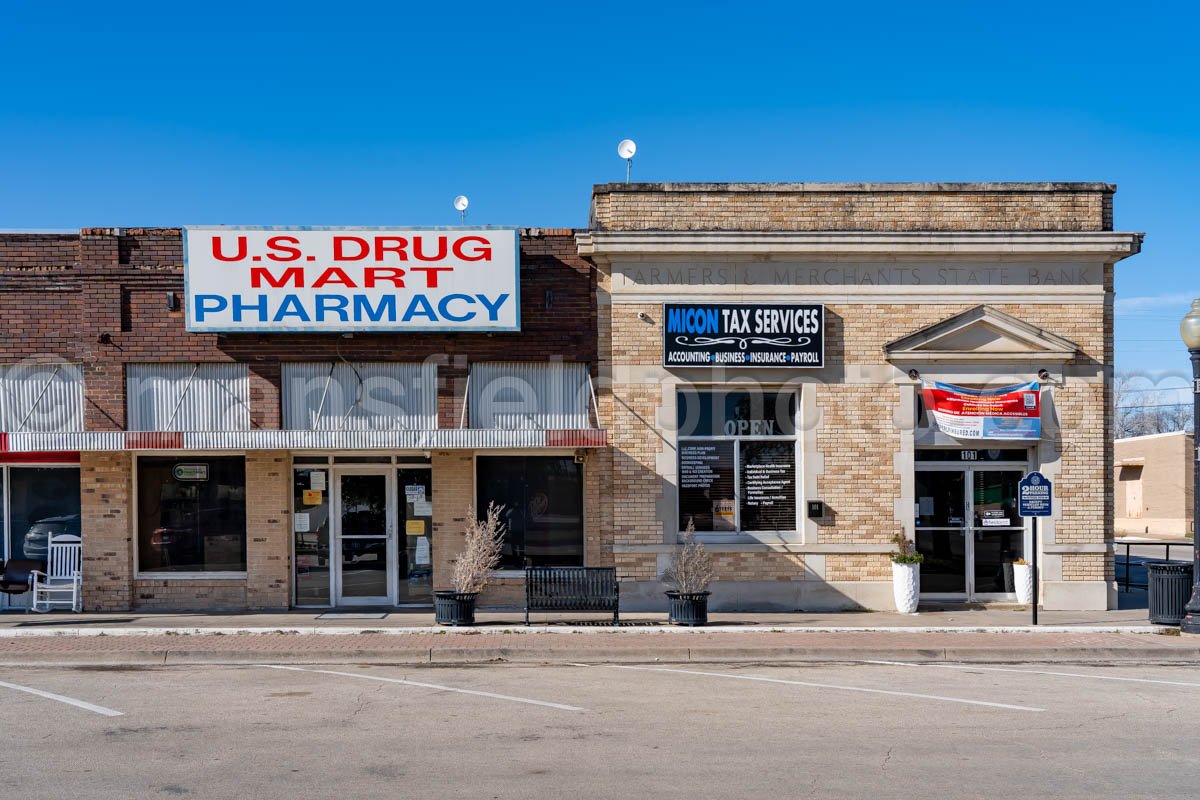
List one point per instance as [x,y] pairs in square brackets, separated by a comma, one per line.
[323,280]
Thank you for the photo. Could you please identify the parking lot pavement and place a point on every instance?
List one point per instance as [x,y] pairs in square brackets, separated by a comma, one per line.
[702,730]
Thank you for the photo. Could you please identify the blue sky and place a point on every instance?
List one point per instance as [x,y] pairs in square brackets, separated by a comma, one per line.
[379,113]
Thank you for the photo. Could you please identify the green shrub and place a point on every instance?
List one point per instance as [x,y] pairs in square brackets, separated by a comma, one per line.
[905,552]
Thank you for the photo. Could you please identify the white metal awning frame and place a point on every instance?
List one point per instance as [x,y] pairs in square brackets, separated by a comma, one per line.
[440,439]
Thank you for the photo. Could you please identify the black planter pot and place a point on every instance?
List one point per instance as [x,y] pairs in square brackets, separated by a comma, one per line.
[454,608]
[688,608]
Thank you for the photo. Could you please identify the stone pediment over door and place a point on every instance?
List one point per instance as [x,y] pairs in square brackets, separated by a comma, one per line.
[981,335]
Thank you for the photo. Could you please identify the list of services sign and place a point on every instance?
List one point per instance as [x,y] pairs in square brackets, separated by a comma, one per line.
[743,335]
[351,279]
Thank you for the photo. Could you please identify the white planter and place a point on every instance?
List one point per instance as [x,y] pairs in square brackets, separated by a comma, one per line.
[906,586]
[1023,578]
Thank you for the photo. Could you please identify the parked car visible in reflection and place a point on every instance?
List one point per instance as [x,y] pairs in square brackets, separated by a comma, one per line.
[37,538]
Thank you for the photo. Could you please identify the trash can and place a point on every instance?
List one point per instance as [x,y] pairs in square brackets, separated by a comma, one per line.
[1170,585]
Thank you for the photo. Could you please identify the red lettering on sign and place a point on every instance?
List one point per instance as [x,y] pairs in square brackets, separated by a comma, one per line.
[260,274]
[218,252]
[391,244]
[371,275]
[431,275]
[421,255]
[281,244]
[333,275]
[339,251]
[483,253]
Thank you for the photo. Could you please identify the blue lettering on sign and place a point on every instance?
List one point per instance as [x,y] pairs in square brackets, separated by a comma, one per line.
[291,307]
[420,305]
[385,310]
[693,320]
[444,308]
[361,308]
[209,302]
[492,308]
[240,306]
[335,303]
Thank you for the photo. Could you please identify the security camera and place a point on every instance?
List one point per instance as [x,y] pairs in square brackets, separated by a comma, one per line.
[643,315]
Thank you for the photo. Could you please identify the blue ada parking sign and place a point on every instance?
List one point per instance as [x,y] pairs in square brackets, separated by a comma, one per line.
[1035,496]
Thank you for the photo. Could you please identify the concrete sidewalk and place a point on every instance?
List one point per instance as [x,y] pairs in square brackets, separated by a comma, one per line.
[956,618]
[994,635]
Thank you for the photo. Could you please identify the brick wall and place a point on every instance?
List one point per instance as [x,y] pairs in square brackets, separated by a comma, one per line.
[268,532]
[1087,567]
[859,483]
[853,207]
[106,508]
[59,294]
[768,566]
[453,495]
[190,594]
[857,567]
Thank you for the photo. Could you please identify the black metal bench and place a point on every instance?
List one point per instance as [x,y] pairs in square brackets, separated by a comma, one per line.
[572,589]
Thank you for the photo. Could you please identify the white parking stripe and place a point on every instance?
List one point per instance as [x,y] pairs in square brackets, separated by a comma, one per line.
[1035,672]
[71,701]
[835,686]
[525,700]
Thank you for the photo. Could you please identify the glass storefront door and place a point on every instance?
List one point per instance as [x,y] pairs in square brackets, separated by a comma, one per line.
[969,531]
[363,515]
[362,535]
[414,568]
[942,531]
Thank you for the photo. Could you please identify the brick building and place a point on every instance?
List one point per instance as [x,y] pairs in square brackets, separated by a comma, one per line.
[272,468]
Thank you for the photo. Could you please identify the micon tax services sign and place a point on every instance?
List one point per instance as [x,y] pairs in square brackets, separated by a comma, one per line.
[325,280]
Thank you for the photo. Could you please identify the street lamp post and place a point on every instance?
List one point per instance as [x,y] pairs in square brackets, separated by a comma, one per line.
[1189,329]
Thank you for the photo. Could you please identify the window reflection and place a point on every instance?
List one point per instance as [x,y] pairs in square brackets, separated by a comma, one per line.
[542,500]
[191,514]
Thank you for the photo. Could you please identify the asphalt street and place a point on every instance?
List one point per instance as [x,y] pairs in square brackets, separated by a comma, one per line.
[638,730]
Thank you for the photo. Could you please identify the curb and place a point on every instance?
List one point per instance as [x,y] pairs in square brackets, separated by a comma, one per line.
[520,630]
[456,656]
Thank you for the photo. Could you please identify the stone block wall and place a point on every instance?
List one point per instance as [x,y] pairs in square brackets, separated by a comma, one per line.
[859,431]
[853,207]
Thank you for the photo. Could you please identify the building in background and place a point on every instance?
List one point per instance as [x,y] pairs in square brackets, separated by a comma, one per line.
[1153,476]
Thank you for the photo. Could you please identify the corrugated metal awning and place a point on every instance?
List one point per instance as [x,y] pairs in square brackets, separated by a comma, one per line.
[440,439]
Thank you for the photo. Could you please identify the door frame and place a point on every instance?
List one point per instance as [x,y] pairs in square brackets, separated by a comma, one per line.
[402,538]
[969,527]
[336,471]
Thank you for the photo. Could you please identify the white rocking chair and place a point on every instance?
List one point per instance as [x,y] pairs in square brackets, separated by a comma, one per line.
[61,584]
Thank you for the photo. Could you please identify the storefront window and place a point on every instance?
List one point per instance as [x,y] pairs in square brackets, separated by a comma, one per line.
[191,514]
[542,501]
[737,460]
[44,502]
